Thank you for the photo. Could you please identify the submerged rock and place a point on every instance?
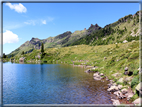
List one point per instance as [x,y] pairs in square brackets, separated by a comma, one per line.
[87,71]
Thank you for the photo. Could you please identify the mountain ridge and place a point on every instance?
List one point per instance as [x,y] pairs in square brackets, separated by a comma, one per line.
[91,36]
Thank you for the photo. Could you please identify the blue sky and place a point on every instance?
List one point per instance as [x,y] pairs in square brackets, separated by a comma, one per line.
[23,21]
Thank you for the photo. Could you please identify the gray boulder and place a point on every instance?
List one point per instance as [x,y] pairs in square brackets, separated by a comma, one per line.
[129,95]
[22,59]
[124,91]
[119,94]
[126,72]
[139,88]
[96,76]
[120,80]
[87,71]
[125,41]
[119,86]
[113,88]
[137,101]
[126,68]
[115,102]
[101,74]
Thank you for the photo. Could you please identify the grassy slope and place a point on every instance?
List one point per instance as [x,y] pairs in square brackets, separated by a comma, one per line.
[119,33]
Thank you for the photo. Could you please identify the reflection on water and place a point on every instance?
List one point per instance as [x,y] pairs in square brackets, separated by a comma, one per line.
[51,84]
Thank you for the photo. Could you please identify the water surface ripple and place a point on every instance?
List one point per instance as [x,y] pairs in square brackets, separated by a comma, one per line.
[51,84]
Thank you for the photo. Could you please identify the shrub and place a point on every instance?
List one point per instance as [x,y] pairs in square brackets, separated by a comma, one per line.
[117,46]
[135,72]
[135,30]
[135,96]
[130,32]
[134,82]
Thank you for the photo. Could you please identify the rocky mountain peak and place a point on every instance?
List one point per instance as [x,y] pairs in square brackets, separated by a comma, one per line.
[63,35]
[34,39]
[94,26]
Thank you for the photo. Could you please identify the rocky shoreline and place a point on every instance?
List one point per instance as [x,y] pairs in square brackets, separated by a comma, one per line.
[123,94]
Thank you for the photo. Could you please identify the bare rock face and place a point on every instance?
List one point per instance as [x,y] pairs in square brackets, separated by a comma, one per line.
[93,28]
[63,35]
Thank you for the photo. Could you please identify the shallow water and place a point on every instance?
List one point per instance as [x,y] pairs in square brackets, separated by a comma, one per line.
[51,84]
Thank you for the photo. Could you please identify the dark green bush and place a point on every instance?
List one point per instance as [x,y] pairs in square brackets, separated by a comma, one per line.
[134,82]
[135,72]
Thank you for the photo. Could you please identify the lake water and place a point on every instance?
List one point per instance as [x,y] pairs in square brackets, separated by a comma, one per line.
[51,84]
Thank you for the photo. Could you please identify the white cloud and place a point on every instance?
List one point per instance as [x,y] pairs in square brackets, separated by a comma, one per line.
[39,21]
[50,19]
[31,22]
[17,7]
[43,21]
[12,26]
[10,37]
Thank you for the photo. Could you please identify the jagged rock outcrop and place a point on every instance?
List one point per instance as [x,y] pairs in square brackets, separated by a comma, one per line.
[93,28]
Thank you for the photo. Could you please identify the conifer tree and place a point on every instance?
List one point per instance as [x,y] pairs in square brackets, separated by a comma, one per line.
[42,48]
